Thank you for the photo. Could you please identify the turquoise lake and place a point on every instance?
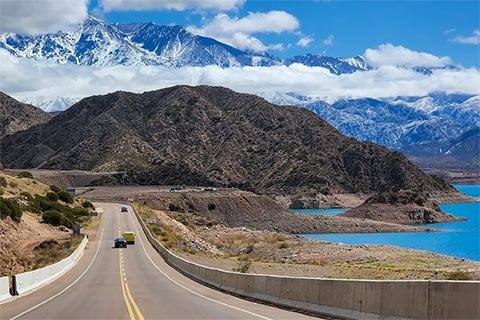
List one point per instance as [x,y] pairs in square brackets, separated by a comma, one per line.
[458,239]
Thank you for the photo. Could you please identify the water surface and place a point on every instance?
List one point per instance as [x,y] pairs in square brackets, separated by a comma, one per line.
[327,212]
[459,239]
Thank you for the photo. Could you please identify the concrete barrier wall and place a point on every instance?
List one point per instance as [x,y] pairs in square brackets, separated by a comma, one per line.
[4,289]
[350,299]
[31,280]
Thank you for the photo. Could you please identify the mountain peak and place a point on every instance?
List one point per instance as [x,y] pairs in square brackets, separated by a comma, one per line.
[98,43]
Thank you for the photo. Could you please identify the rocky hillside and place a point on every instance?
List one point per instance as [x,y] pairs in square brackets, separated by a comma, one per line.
[16,116]
[437,129]
[212,136]
[464,150]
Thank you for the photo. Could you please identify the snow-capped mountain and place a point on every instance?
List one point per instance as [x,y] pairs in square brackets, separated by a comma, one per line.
[437,125]
[334,65]
[97,43]
[50,104]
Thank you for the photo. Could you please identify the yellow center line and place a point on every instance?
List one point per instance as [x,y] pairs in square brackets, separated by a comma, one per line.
[129,308]
[127,296]
[137,310]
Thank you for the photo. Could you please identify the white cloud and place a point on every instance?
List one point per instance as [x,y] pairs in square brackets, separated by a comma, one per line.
[390,55]
[473,39]
[238,32]
[24,78]
[304,41]
[40,16]
[328,41]
[178,5]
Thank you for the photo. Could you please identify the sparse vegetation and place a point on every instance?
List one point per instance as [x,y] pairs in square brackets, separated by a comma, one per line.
[52,196]
[29,202]
[51,251]
[10,208]
[3,182]
[458,275]
[65,197]
[54,212]
[87,204]
[55,189]
[26,195]
[25,174]
[53,217]
[2,192]
[244,265]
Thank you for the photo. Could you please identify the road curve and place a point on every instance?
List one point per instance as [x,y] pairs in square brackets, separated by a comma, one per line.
[132,283]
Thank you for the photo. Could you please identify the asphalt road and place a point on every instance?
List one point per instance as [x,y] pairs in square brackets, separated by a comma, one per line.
[132,283]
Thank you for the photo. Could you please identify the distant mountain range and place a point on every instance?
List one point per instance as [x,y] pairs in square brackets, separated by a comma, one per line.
[438,127]
[98,43]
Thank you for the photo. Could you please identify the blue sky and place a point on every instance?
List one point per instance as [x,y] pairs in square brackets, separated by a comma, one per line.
[352,26]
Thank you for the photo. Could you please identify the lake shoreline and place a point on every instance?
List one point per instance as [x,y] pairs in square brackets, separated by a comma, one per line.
[454,239]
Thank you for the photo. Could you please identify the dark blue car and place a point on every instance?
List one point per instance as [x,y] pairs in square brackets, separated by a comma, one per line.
[120,243]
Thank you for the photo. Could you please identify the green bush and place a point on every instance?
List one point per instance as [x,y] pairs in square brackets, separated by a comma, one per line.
[52,196]
[211,206]
[56,213]
[79,211]
[53,217]
[2,192]
[27,195]
[25,174]
[10,208]
[55,189]
[3,182]
[65,197]
[87,204]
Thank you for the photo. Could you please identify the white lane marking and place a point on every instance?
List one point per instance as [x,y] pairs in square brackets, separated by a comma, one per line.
[190,290]
[69,286]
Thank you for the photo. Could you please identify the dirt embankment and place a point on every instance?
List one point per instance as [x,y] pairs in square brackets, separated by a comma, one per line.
[26,241]
[245,209]
[258,251]
[19,240]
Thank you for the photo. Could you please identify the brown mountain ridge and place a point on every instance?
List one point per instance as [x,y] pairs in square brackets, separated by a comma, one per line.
[212,136]
[16,116]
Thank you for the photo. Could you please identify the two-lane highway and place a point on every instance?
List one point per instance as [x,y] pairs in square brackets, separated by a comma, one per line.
[131,283]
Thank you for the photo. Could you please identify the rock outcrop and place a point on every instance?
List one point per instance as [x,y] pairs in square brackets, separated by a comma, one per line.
[403,207]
